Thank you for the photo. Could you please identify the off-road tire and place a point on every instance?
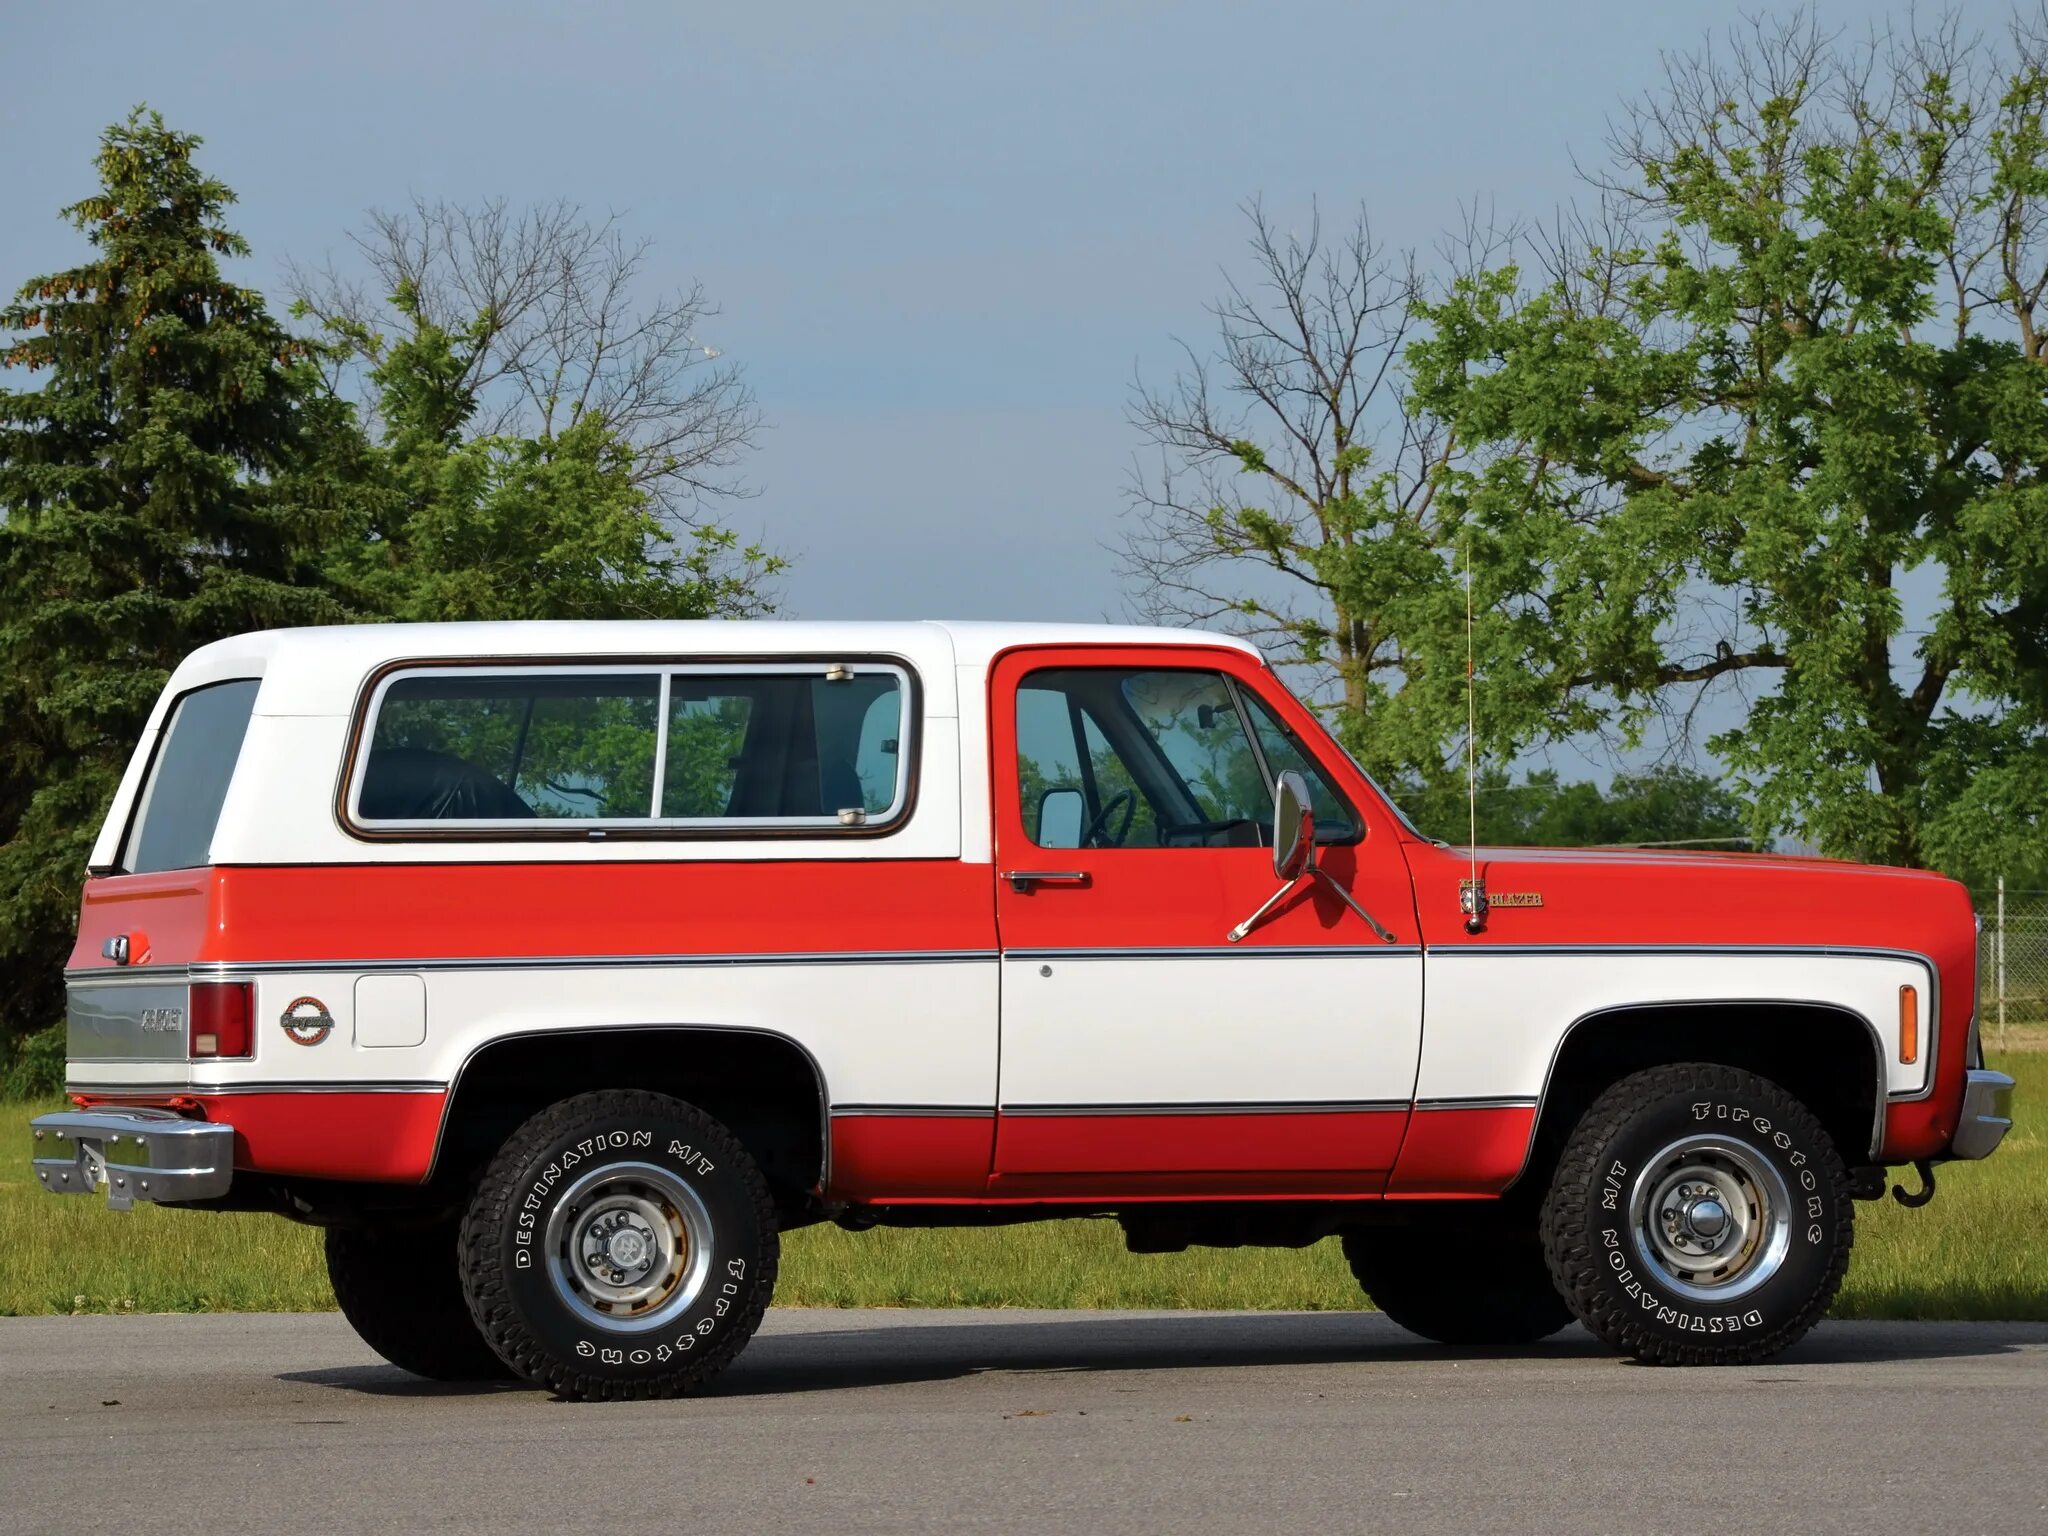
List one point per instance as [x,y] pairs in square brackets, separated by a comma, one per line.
[1464,1283]
[659,1165]
[400,1290]
[1606,1264]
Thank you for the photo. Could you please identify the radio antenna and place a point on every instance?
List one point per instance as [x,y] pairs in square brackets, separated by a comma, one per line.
[1474,902]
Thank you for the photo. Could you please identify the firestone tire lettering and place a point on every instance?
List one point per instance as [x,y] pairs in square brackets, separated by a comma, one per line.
[513,1296]
[1598,1265]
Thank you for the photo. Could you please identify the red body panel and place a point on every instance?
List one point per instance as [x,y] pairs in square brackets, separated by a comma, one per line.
[469,911]
[877,1158]
[1278,1145]
[1462,1152]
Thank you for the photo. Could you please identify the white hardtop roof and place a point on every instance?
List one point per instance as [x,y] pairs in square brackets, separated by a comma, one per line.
[328,663]
[973,640]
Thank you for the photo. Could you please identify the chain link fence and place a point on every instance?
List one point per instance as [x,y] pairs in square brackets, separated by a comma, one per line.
[2013,961]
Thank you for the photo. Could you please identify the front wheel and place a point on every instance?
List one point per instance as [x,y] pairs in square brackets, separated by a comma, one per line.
[620,1245]
[1699,1215]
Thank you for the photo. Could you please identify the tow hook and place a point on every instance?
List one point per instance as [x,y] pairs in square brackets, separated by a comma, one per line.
[1926,1171]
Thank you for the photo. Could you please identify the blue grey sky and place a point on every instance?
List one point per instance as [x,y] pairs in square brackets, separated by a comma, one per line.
[944,238]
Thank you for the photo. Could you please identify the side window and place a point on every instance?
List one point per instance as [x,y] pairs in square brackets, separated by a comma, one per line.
[512,747]
[1192,718]
[1335,821]
[1049,767]
[685,749]
[780,747]
[181,799]
[707,728]
[1111,757]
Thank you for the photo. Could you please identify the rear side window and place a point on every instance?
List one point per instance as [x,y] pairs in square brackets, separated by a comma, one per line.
[181,799]
[643,749]
[492,748]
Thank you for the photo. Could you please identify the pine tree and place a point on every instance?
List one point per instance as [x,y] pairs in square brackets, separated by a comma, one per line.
[162,487]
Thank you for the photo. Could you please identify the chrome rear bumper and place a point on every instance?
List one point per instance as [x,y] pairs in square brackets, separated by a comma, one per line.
[1987,1114]
[133,1154]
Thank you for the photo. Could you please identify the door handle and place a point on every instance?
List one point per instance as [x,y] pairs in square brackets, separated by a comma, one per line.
[1023,879]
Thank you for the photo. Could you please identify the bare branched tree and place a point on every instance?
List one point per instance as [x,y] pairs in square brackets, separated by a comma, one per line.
[1266,448]
[1291,490]
[553,303]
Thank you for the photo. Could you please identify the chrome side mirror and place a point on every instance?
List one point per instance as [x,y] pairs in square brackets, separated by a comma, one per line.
[1294,827]
[1294,855]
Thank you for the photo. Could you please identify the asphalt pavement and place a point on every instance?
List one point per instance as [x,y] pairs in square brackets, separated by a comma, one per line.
[1044,1421]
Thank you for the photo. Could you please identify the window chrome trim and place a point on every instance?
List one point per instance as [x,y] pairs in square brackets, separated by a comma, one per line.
[370,700]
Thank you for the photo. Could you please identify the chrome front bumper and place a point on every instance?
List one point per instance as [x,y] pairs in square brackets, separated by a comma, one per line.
[1987,1114]
[133,1154]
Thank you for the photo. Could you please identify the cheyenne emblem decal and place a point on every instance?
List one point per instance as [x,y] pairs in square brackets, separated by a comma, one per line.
[307,1021]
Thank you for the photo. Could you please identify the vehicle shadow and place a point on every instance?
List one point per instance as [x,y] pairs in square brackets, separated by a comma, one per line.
[829,1352]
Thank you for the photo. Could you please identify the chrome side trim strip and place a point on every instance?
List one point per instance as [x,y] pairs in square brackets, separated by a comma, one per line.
[225,969]
[923,1111]
[1290,1107]
[1224,952]
[1503,1101]
[1473,951]
[189,1090]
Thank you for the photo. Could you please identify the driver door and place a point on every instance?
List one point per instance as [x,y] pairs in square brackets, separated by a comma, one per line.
[1141,1052]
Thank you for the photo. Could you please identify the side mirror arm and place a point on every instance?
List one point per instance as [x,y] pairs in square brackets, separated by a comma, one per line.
[1272,901]
[1236,935]
[1352,902]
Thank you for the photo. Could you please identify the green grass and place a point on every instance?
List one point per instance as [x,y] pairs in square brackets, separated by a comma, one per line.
[1979,1251]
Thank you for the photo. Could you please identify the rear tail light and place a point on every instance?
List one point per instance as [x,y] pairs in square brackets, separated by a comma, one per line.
[222,1014]
[1909,1025]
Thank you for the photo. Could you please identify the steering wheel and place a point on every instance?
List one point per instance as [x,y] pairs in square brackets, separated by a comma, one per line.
[1092,834]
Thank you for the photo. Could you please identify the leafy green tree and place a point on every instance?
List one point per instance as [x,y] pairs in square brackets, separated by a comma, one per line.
[162,481]
[1660,807]
[1798,355]
[501,526]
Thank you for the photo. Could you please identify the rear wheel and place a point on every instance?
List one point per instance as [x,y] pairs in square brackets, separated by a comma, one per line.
[399,1290]
[1472,1282]
[620,1245]
[1699,1215]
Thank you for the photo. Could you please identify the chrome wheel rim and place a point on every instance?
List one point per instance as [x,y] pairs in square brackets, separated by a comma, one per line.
[1712,1217]
[628,1247]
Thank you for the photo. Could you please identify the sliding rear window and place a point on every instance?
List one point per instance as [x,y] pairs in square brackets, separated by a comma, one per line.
[179,806]
[640,750]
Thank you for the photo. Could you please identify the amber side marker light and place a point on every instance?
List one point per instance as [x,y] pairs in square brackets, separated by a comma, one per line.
[1909,1025]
